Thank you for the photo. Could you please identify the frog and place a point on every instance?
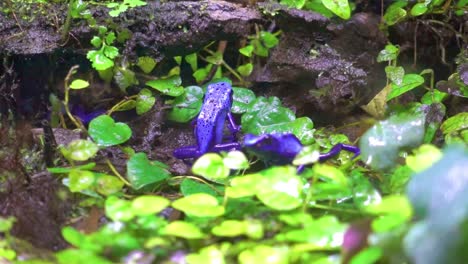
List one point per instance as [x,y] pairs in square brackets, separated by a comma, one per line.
[282,148]
[209,124]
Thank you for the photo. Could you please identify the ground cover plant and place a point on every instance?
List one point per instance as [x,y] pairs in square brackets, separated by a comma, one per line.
[291,131]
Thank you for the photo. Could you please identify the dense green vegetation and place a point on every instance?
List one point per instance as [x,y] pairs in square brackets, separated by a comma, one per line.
[402,201]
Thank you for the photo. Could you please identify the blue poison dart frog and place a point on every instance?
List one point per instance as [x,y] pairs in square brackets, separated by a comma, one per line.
[281,149]
[209,125]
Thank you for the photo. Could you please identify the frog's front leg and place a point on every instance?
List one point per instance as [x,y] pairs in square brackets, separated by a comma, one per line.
[336,150]
[193,152]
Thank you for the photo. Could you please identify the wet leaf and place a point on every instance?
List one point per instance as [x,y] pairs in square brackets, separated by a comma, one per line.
[81,180]
[119,209]
[145,101]
[99,61]
[455,123]
[80,150]
[338,7]
[242,97]
[106,132]
[395,74]
[211,167]
[124,78]
[389,53]
[236,160]
[169,86]
[410,81]
[229,228]
[419,9]
[264,254]
[282,189]
[107,184]
[142,172]
[248,185]
[381,144]
[395,13]
[187,105]
[207,255]
[200,204]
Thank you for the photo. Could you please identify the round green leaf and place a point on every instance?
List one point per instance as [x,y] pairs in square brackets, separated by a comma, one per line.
[338,7]
[149,204]
[207,255]
[236,160]
[79,84]
[142,172]
[419,9]
[111,52]
[183,229]
[124,78]
[264,254]
[127,105]
[168,86]
[389,53]
[247,50]
[394,14]
[211,166]
[81,180]
[80,150]
[145,101]
[190,186]
[187,105]
[282,188]
[107,184]
[200,204]
[424,157]
[395,74]
[96,42]
[106,132]
[247,185]
[118,209]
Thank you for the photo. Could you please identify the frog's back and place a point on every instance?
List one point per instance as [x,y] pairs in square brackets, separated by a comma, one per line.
[210,122]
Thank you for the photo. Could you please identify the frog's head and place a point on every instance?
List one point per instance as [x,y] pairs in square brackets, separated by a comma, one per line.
[219,88]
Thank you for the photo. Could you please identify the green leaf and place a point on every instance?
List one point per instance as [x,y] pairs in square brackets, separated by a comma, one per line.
[367,256]
[394,14]
[381,144]
[80,150]
[110,38]
[111,52]
[99,61]
[211,167]
[245,70]
[230,228]
[96,42]
[145,101]
[269,39]
[392,204]
[248,185]
[242,97]
[106,132]
[79,84]
[192,60]
[183,229]
[207,255]
[298,4]
[168,86]
[146,64]
[419,9]
[119,209]
[308,155]
[424,157]
[202,73]
[189,186]
[81,180]
[264,254]
[330,173]
[6,224]
[73,236]
[247,50]
[142,172]
[282,189]
[187,105]
[124,78]
[75,256]
[87,166]
[410,81]
[389,53]
[395,74]
[107,184]
[127,105]
[455,123]
[200,204]
[149,204]
[338,7]
[216,58]
[259,48]
[236,160]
